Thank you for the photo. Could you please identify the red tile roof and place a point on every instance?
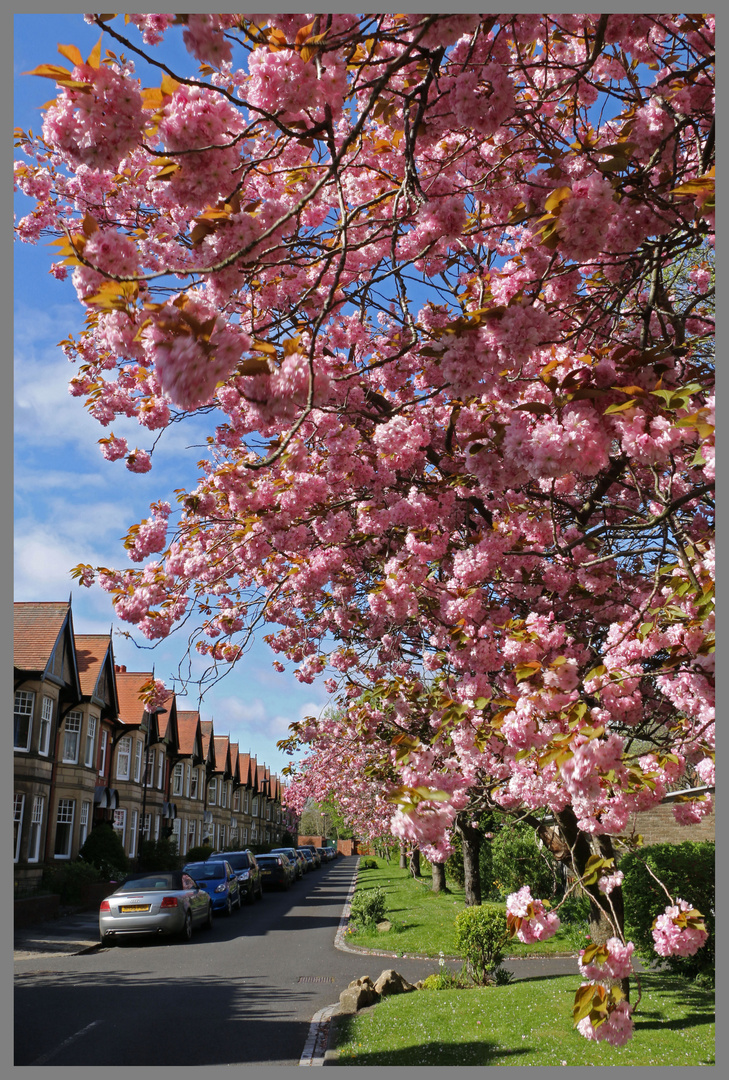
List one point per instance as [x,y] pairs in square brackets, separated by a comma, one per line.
[36,628]
[128,685]
[187,728]
[206,729]
[222,744]
[91,651]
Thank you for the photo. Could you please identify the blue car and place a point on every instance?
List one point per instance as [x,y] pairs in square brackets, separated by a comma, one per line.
[219,880]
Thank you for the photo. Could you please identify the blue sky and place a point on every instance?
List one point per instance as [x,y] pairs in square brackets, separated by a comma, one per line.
[71,505]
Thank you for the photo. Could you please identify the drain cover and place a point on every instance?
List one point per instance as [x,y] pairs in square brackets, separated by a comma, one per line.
[316,978]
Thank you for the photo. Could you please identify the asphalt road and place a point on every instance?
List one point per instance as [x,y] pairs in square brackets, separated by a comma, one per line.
[241,994]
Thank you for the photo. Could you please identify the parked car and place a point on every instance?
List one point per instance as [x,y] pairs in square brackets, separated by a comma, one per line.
[220,882]
[166,902]
[276,869]
[313,852]
[246,868]
[308,856]
[326,853]
[300,864]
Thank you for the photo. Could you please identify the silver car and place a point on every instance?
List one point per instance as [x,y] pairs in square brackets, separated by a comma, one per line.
[166,902]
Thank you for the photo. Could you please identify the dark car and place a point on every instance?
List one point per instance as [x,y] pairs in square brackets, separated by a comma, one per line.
[276,869]
[312,851]
[165,902]
[326,853]
[220,882]
[249,876]
[299,862]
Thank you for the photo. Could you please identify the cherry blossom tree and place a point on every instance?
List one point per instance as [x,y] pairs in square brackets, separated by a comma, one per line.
[443,287]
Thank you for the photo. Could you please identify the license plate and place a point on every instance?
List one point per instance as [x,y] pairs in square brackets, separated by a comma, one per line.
[134,907]
[266,872]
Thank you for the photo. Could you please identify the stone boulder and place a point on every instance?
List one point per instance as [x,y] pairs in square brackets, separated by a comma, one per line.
[359,994]
[392,982]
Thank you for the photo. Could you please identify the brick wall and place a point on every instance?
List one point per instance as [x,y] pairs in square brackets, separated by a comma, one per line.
[658,826]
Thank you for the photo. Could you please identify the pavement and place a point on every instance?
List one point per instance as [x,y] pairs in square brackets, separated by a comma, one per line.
[72,933]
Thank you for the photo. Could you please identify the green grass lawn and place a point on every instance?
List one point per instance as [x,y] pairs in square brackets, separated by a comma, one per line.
[423,921]
[526,1023]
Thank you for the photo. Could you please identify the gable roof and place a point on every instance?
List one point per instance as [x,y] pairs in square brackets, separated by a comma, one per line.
[36,629]
[132,711]
[95,658]
[222,754]
[234,763]
[43,644]
[189,734]
[208,743]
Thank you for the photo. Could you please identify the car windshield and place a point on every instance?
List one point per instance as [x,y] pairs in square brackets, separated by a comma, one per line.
[166,879]
[239,862]
[268,859]
[205,871]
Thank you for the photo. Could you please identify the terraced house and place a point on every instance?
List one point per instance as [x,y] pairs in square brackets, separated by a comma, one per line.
[86,750]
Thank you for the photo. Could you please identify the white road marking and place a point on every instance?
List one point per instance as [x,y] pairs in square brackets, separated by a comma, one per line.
[52,1053]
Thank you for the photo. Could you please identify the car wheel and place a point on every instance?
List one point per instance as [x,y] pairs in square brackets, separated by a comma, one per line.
[228,906]
[250,895]
[208,924]
[239,905]
[260,891]
[186,932]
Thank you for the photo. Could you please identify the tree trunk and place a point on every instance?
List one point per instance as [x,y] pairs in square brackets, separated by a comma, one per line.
[607,916]
[439,877]
[471,843]
[403,857]
[415,862]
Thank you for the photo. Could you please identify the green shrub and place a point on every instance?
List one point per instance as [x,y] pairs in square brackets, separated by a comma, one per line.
[103,849]
[445,980]
[480,937]
[199,853]
[68,880]
[160,855]
[368,907]
[517,860]
[368,864]
[687,870]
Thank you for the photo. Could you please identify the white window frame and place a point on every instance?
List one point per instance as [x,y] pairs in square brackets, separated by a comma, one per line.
[71,747]
[177,778]
[191,833]
[156,827]
[102,751]
[36,828]
[120,824]
[236,801]
[246,802]
[90,742]
[149,769]
[83,823]
[212,790]
[138,748]
[195,784]
[18,808]
[223,794]
[44,735]
[160,768]
[187,781]
[65,815]
[147,828]
[27,699]
[245,835]
[177,834]
[123,754]
[254,808]
[133,827]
